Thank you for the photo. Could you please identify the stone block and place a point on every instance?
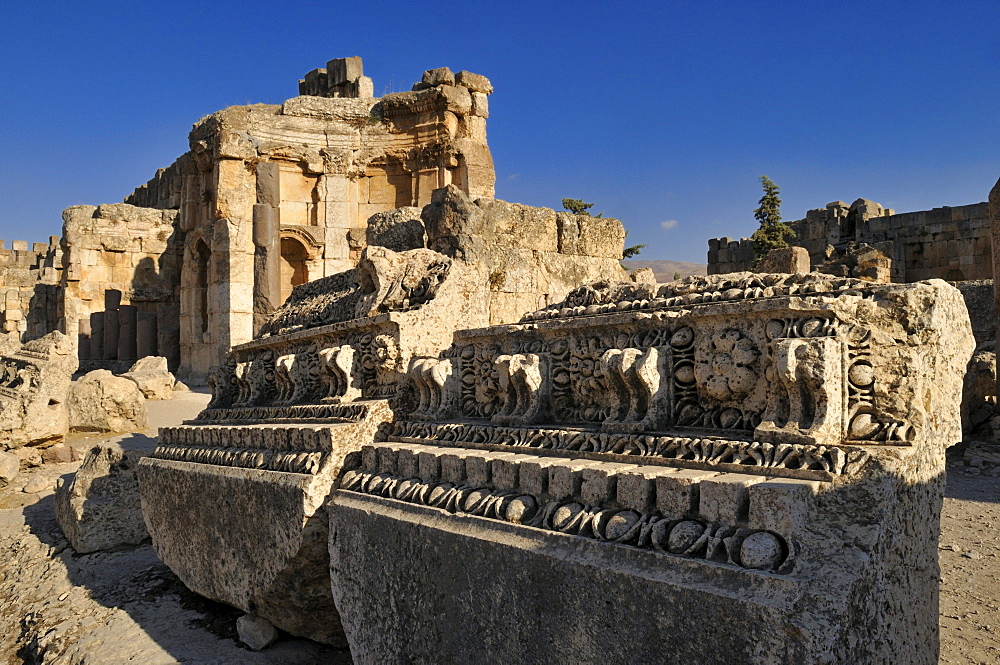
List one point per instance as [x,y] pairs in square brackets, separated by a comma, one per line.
[99,508]
[478,468]
[343,70]
[636,488]
[534,475]
[504,470]
[480,105]
[407,463]
[385,457]
[726,498]
[399,230]
[599,483]
[766,515]
[365,87]
[781,505]
[439,76]
[474,82]
[452,468]
[9,467]
[456,99]
[678,494]
[565,478]
[102,402]
[428,466]
[37,378]
[792,260]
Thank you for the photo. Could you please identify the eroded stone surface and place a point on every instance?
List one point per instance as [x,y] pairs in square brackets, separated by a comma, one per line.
[99,401]
[152,377]
[707,489]
[9,466]
[33,387]
[98,508]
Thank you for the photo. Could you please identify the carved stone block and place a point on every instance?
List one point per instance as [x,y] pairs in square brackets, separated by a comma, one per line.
[525,387]
[694,455]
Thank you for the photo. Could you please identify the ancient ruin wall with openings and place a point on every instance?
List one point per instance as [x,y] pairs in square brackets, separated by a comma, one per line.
[268,197]
[951,243]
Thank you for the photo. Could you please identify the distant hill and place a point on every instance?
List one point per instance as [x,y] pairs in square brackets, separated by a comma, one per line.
[665,270]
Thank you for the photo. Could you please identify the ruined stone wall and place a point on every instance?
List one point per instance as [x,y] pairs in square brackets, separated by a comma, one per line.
[526,257]
[121,283]
[978,297]
[951,243]
[29,278]
[270,196]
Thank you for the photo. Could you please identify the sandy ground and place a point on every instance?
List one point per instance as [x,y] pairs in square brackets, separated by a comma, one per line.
[970,568]
[107,608]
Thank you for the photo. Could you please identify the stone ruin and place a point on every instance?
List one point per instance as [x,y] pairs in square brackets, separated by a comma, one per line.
[325,374]
[744,466]
[741,469]
[950,243]
[34,386]
[870,242]
[749,465]
[268,197]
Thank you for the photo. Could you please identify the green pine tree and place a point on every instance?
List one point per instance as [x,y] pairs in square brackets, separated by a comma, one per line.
[577,206]
[772,233]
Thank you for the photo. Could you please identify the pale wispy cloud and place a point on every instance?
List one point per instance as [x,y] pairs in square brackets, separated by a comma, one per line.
[668,224]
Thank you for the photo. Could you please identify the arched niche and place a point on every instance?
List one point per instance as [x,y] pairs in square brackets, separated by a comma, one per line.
[295,257]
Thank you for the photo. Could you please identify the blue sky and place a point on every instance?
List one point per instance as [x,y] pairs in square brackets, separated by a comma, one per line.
[663,113]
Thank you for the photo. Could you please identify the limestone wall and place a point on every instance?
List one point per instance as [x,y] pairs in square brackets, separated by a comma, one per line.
[271,196]
[527,257]
[29,275]
[951,243]
[121,282]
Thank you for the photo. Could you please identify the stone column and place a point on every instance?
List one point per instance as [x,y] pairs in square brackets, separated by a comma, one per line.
[128,316]
[267,244]
[97,335]
[83,345]
[231,280]
[112,299]
[146,334]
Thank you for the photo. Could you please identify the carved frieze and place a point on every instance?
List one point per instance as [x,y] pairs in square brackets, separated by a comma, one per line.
[735,545]
[800,377]
[696,452]
[431,376]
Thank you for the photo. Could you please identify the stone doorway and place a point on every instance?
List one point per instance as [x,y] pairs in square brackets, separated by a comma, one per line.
[294,269]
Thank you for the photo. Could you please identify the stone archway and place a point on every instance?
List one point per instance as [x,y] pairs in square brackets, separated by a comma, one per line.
[294,265]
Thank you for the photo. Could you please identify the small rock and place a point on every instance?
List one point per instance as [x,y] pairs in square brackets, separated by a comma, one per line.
[36,484]
[972,555]
[9,465]
[973,471]
[180,387]
[28,455]
[57,454]
[99,508]
[256,632]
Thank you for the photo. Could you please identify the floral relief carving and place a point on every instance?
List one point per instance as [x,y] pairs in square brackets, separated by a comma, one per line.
[725,366]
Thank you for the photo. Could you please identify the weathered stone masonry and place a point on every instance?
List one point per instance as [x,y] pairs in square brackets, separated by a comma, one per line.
[950,243]
[29,280]
[268,197]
